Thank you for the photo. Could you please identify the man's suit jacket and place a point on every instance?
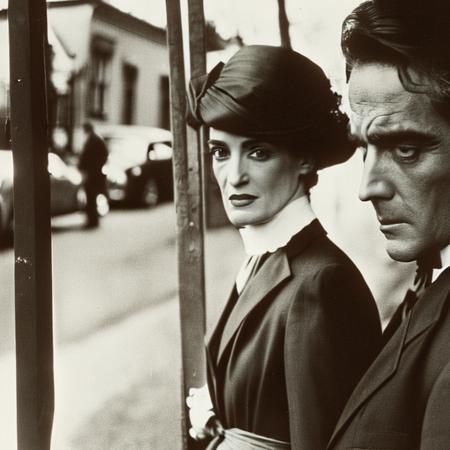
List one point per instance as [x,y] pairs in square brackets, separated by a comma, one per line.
[403,400]
[286,355]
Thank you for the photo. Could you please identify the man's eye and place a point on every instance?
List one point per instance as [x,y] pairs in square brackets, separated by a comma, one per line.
[260,154]
[219,153]
[406,154]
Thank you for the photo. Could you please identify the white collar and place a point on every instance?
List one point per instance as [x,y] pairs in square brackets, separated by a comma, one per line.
[272,235]
[445,260]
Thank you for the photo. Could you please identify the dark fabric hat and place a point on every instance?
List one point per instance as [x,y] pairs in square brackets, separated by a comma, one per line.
[275,94]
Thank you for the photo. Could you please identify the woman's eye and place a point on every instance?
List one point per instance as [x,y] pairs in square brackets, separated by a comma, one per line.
[407,154]
[260,154]
[219,153]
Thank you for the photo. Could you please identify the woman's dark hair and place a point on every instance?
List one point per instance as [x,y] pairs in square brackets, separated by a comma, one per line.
[411,35]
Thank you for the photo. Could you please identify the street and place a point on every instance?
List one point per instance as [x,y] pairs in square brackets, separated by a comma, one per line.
[99,276]
[116,324]
[117,346]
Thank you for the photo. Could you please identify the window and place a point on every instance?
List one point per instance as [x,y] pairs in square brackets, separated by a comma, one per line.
[100,76]
[130,73]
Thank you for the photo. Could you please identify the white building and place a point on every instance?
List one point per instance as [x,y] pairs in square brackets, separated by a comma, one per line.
[107,67]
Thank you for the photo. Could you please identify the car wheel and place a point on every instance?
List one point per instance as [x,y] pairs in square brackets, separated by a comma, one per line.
[150,193]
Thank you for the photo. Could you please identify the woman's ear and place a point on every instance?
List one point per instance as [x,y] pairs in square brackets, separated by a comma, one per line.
[306,165]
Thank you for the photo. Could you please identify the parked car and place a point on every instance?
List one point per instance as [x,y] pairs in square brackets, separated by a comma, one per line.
[67,194]
[139,167]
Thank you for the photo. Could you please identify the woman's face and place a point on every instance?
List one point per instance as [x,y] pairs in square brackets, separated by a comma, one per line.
[256,179]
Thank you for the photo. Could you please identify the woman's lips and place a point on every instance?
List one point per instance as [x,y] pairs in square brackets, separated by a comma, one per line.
[240,200]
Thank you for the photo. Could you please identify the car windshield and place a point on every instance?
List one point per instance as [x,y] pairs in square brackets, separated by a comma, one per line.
[128,150]
[160,151]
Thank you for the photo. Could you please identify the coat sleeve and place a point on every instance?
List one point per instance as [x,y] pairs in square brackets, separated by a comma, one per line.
[435,427]
[333,333]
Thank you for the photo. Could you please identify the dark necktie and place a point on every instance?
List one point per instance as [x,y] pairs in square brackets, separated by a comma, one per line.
[422,280]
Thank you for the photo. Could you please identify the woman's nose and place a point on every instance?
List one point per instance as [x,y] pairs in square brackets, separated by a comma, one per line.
[375,182]
[237,173]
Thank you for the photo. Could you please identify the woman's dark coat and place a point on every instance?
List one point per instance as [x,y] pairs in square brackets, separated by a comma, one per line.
[285,356]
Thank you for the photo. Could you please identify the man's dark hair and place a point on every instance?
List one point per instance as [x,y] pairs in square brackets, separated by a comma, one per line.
[409,35]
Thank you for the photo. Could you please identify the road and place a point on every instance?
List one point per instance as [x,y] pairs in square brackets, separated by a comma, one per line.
[99,276]
[117,343]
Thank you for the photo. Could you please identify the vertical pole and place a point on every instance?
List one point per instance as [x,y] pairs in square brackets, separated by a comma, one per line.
[32,234]
[197,58]
[197,40]
[189,208]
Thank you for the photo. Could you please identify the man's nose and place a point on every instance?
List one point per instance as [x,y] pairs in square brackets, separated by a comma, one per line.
[237,173]
[375,182]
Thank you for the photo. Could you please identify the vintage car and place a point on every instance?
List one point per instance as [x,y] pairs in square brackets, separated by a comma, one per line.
[66,190]
[139,167]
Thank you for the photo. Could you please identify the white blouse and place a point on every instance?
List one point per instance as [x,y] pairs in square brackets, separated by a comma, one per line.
[272,235]
[445,260]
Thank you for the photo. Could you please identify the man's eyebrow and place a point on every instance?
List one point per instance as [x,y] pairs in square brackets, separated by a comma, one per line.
[392,137]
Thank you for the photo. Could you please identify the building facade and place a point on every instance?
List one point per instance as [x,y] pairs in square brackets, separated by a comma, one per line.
[106,67]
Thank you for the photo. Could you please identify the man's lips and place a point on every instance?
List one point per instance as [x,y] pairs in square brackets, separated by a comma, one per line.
[389,221]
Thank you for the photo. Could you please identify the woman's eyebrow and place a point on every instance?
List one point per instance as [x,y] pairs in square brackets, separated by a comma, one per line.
[216,142]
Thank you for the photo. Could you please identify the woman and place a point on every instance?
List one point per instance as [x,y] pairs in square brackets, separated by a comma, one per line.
[300,327]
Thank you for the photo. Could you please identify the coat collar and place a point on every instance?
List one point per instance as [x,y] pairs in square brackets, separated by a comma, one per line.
[272,273]
[429,307]
[427,311]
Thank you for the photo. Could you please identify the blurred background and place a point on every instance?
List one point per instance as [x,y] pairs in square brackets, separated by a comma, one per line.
[117,345]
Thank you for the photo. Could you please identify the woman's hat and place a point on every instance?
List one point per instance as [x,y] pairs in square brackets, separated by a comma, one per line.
[274,94]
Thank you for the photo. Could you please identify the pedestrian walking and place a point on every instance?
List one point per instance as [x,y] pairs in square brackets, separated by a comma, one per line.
[92,160]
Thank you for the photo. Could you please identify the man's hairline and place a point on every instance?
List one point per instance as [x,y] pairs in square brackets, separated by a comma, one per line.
[410,67]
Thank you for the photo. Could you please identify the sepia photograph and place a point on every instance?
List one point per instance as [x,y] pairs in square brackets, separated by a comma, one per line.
[224,224]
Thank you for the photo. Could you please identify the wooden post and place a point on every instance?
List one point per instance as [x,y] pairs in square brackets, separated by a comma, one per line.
[32,233]
[197,57]
[189,207]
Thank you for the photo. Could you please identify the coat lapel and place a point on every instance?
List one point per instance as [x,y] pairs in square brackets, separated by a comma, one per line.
[429,308]
[378,373]
[424,315]
[274,271]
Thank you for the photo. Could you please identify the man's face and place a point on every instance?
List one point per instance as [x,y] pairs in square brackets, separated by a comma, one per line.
[406,148]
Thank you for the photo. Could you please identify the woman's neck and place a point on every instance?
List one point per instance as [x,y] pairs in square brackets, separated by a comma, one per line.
[272,235]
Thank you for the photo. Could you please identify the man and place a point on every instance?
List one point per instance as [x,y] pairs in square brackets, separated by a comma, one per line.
[399,90]
[92,160]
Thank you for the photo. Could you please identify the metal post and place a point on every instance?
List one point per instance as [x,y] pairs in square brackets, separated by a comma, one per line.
[32,233]
[189,207]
